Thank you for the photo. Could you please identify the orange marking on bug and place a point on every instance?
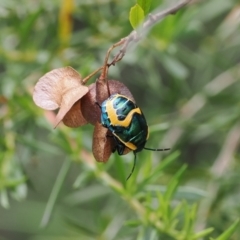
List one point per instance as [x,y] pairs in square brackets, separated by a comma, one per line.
[114,118]
[127,144]
[147,135]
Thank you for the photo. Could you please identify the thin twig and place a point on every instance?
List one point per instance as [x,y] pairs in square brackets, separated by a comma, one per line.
[133,36]
[152,19]
[90,75]
[106,65]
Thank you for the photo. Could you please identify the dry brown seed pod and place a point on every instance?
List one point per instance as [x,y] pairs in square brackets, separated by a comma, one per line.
[90,109]
[102,144]
[61,88]
[74,117]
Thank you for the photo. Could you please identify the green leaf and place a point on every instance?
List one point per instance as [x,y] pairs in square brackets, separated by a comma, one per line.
[172,186]
[228,233]
[176,210]
[81,179]
[163,209]
[136,16]
[133,223]
[202,233]
[157,172]
[190,216]
[145,5]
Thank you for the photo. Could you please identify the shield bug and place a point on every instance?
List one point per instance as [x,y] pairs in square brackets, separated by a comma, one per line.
[127,124]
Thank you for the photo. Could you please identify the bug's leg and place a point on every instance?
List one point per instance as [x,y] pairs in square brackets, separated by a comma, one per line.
[98,104]
[114,149]
[120,147]
[134,164]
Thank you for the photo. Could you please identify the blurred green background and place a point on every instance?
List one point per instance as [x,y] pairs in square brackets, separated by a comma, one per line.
[184,75]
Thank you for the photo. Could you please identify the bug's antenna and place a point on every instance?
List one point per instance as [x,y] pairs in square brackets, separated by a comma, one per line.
[135,157]
[134,164]
[157,149]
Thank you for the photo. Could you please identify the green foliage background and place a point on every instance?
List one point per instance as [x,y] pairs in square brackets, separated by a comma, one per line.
[184,75]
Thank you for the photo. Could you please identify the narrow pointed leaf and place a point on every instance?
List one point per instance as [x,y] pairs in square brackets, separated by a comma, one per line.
[172,186]
[203,233]
[133,223]
[157,172]
[228,233]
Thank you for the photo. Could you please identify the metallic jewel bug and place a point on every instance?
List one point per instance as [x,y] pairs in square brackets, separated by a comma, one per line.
[126,122]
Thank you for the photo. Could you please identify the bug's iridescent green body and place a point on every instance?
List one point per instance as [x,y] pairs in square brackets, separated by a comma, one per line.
[126,122]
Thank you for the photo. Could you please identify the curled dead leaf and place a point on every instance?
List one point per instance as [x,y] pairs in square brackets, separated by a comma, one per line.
[61,88]
[69,98]
[49,89]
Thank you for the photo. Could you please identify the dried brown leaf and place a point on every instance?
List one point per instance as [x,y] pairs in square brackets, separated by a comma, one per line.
[62,88]
[69,98]
[51,87]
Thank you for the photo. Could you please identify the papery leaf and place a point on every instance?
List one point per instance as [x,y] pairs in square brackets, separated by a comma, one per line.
[61,88]
[136,16]
[68,101]
[49,89]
